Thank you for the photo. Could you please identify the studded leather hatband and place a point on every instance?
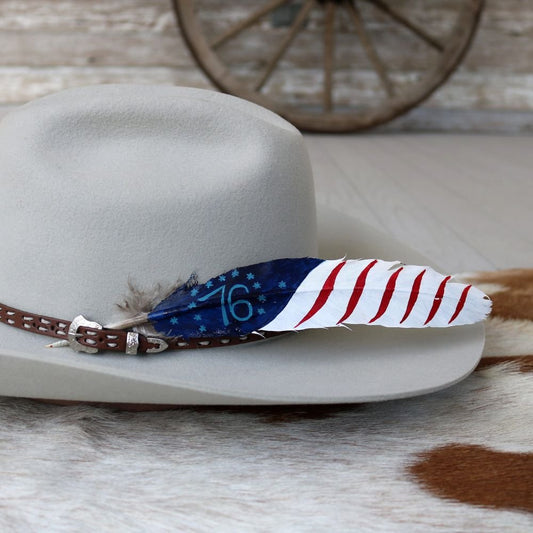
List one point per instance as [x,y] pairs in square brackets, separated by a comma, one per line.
[90,337]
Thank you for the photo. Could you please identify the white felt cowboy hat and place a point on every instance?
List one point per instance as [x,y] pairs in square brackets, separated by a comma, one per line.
[107,184]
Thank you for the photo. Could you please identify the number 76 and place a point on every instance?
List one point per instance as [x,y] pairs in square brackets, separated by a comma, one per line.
[229,304]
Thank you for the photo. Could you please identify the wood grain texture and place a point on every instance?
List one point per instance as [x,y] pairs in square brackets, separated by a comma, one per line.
[51,44]
[464,201]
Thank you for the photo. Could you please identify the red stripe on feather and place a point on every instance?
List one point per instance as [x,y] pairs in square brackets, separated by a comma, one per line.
[324,293]
[460,303]
[357,291]
[387,295]
[438,300]
[413,296]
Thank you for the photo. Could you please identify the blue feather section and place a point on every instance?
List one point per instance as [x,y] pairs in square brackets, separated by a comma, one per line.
[235,303]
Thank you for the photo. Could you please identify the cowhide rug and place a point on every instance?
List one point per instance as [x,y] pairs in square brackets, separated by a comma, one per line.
[457,460]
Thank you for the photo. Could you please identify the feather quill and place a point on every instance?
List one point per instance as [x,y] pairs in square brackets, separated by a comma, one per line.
[297,294]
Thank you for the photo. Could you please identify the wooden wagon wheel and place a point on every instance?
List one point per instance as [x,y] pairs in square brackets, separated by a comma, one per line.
[255,49]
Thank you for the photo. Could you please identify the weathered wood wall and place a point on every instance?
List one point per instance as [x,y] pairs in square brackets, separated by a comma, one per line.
[48,45]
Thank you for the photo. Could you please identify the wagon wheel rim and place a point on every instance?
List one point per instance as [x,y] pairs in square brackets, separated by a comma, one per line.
[398,102]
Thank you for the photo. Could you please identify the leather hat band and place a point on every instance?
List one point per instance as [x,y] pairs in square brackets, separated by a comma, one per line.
[90,337]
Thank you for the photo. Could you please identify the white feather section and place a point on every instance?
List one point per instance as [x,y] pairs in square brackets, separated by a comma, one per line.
[393,296]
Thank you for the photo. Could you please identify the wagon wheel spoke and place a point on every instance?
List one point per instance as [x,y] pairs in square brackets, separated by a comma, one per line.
[369,47]
[285,43]
[329,51]
[246,23]
[414,28]
[244,71]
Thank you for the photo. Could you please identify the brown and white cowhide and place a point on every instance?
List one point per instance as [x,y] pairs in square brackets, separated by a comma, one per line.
[457,460]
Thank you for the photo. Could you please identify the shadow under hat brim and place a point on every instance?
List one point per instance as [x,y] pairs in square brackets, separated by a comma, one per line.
[364,363]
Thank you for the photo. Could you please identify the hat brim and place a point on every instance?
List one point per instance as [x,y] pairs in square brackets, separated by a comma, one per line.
[338,365]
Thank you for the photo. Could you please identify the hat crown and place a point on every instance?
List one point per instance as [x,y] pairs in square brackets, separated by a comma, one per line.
[108,183]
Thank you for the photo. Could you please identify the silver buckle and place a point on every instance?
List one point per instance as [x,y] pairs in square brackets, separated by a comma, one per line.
[73,334]
[132,344]
[161,345]
[132,339]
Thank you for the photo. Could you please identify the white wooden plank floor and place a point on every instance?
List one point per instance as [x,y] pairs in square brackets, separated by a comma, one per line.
[465,201]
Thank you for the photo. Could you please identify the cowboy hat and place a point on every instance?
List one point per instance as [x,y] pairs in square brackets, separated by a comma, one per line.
[108,185]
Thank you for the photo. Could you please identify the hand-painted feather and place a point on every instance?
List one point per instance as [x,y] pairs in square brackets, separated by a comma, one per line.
[296,294]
